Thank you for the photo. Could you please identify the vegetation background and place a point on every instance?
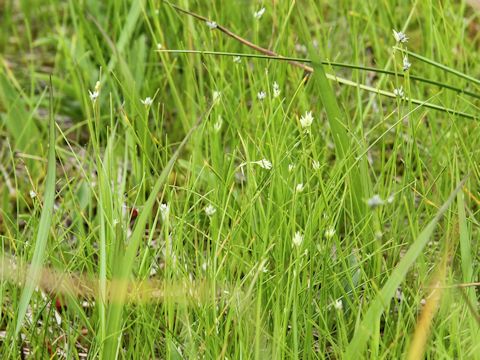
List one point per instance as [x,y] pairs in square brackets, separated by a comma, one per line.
[158,204]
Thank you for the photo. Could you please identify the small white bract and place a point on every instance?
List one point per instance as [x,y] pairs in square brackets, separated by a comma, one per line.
[299,188]
[210,210]
[218,125]
[400,36]
[258,14]
[96,92]
[33,194]
[261,95]
[398,92]
[159,46]
[148,101]
[338,304]
[291,167]
[406,63]
[211,24]
[315,165]
[276,90]
[297,239]
[164,211]
[237,59]
[330,232]
[306,120]
[264,163]
[375,201]
[216,96]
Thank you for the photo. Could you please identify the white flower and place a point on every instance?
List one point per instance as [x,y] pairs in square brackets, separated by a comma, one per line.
[148,101]
[94,95]
[218,125]
[258,14]
[315,165]
[297,239]
[375,201]
[299,188]
[406,63]
[291,167]
[33,194]
[211,24]
[237,59]
[390,199]
[306,120]
[210,210]
[338,304]
[261,95]
[329,233]
[400,36]
[264,163]
[276,90]
[159,46]
[216,96]
[399,92]
[164,211]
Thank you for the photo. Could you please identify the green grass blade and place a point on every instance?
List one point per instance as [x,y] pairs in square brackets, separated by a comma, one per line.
[364,331]
[44,225]
[343,147]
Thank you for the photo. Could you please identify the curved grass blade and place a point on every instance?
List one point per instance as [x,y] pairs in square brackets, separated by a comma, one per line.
[364,331]
[33,274]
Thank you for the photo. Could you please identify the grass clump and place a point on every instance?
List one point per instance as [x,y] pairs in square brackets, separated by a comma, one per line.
[277,180]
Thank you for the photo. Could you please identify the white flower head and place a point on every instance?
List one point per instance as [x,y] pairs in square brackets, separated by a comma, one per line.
[330,232]
[258,14]
[159,46]
[291,167]
[148,101]
[276,90]
[375,201]
[32,194]
[398,92]
[306,120]
[164,211]
[211,24]
[400,37]
[95,93]
[299,188]
[406,63]
[210,210]
[261,95]
[338,304]
[237,59]
[315,165]
[218,125]
[297,239]
[264,164]
[216,96]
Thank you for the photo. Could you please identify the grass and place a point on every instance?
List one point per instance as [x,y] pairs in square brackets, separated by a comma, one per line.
[161,231]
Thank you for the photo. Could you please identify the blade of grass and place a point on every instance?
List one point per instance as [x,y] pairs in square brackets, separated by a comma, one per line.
[359,179]
[33,274]
[364,331]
